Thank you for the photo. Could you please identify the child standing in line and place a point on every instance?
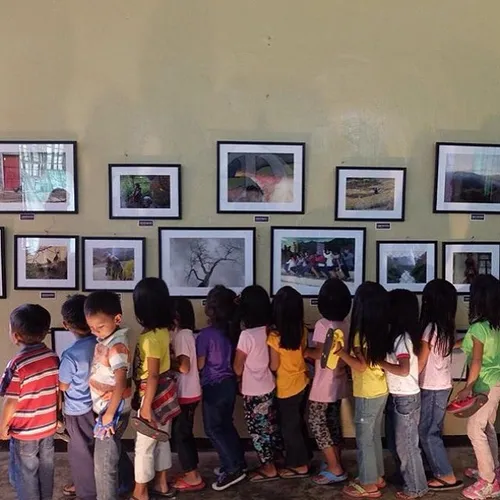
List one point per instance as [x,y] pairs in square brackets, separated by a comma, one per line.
[29,415]
[437,322]
[482,346]
[403,406]
[189,394]
[251,362]
[287,345]
[329,387]
[365,352]
[215,351]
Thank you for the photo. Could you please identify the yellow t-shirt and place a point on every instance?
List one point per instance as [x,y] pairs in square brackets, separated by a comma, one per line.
[371,383]
[291,377]
[153,344]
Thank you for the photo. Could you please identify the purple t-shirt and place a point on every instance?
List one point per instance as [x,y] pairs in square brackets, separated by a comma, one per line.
[216,348]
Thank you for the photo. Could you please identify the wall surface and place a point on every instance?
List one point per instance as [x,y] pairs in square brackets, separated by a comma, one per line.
[361,82]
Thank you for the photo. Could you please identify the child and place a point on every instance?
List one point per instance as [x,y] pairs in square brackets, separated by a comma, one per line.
[110,388]
[189,394]
[287,343]
[29,415]
[403,407]
[437,322]
[258,388]
[482,346]
[215,351]
[153,458]
[74,373]
[365,352]
[329,387]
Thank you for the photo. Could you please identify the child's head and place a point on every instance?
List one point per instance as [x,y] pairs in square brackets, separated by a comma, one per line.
[484,302]
[73,315]
[103,312]
[439,308]
[152,304]
[29,324]
[220,308]
[334,300]
[370,320]
[254,307]
[288,317]
[184,314]
[404,318]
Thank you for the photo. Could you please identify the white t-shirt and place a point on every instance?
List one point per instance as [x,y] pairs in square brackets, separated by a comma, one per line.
[436,375]
[403,386]
[188,384]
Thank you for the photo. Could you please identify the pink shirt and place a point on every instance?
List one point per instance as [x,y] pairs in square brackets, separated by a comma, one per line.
[329,385]
[437,372]
[257,376]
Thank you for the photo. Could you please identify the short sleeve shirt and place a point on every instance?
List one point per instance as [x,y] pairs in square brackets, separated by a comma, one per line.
[436,374]
[403,386]
[152,344]
[188,384]
[216,348]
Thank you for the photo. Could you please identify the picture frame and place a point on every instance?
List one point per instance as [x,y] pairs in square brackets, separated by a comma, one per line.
[406,264]
[194,260]
[463,261]
[336,251]
[370,193]
[459,360]
[3,280]
[115,263]
[144,191]
[61,339]
[467,178]
[43,262]
[38,177]
[260,177]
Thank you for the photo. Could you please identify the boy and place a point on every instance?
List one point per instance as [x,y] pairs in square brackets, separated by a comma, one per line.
[74,374]
[110,388]
[29,415]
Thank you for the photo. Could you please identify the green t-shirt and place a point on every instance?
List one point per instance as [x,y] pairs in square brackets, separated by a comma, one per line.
[489,376]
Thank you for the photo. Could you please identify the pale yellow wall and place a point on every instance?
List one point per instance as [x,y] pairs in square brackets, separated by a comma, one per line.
[362,82]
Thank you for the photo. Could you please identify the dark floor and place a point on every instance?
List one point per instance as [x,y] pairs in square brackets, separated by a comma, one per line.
[289,489]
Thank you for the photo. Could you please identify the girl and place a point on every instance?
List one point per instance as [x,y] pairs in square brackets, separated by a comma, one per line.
[482,346]
[153,312]
[258,388]
[329,387]
[437,322]
[403,408]
[215,351]
[189,394]
[287,344]
[365,352]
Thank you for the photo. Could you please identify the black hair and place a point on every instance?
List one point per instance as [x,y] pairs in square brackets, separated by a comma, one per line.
[254,307]
[403,318]
[31,322]
[288,317]
[103,301]
[370,321]
[334,300]
[152,304]
[220,309]
[184,313]
[73,313]
[439,308]
[484,302]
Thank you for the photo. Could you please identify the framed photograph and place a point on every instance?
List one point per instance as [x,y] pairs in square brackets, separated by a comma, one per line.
[406,264]
[467,178]
[462,262]
[116,264]
[61,339]
[44,262]
[260,177]
[366,193]
[38,177]
[459,370]
[144,191]
[304,257]
[3,282]
[194,260]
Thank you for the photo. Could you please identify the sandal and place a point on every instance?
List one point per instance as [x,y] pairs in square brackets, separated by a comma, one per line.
[326,477]
[182,485]
[68,492]
[444,486]
[404,496]
[149,429]
[169,494]
[288,473]
[257,476]
[355,490]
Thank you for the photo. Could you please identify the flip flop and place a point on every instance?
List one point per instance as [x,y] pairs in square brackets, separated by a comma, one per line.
[169,494]
[67,492]
[326,477]
[144,427]
[181,485]
[257,476]
[444,486]
[355,490]
[292,474]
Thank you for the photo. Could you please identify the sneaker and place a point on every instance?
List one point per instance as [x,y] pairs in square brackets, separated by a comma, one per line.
[218,471]
[226,480]
[481,489]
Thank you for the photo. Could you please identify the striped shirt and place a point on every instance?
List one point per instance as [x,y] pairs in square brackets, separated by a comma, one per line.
[31,377]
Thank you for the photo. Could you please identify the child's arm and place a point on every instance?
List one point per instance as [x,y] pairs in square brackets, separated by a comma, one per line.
[239,362]
[458,344]
[314,352]
[402,368]
[8,410]
[151,386]
[474,369]
[183,364]
[423,356]
[274,360]
[116,397]
[356,362]
[201,362]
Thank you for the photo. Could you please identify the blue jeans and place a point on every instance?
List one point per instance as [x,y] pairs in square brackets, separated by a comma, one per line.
[368,415]
[431,430]
[218,405]
[403,416]
[31,468]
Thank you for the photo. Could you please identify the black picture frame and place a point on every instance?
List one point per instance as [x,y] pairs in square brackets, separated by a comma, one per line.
[55,336]
[3,267]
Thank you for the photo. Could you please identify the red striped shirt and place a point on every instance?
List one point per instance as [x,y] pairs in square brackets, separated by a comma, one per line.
[32,378]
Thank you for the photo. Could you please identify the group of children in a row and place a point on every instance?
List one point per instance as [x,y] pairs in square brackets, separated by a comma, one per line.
[400,361]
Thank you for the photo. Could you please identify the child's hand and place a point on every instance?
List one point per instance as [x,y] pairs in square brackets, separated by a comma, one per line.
[4,433]
[465,393]
[106,419]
